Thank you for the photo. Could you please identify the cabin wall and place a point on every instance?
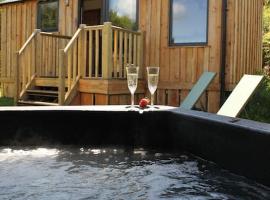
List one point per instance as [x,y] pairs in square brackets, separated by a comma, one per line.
[181,66]
[244,39]
[68,17]
[18,21]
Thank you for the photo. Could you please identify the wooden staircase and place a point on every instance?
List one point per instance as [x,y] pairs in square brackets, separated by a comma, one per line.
[40,96]
[42,92]
[49,66]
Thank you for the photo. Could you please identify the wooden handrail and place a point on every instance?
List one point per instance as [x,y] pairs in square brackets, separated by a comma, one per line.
[98,27]
[76,35]
[126,30]
[29,40]
[55,35]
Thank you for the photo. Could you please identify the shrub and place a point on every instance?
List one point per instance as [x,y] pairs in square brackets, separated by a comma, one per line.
[258,108]
[5,101]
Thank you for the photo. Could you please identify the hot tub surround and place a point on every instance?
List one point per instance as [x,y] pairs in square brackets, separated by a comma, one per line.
[241,146]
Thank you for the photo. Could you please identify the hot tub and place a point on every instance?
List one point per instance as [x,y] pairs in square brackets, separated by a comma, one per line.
[111,153]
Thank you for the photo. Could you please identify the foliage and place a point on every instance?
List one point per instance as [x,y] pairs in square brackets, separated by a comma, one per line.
[5,101]
[49,15]
[258,108]
[266,33]
[122,21]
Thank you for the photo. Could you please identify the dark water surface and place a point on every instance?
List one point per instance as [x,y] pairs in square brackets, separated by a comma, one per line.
[87,173]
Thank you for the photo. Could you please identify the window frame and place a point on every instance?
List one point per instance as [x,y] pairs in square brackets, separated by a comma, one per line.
[171,43]
[39,16]
[107,8]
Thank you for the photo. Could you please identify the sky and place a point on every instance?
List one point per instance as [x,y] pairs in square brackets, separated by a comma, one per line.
[124,7]
[189,21]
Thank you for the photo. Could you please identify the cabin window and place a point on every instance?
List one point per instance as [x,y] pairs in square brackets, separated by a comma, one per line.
[123,13]
[48,15]
[188,22]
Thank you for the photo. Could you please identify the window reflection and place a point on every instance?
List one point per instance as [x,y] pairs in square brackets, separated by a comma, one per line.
[188,21]
[48,16]
[123,13]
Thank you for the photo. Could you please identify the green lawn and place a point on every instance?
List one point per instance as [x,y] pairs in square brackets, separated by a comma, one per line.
[4,101]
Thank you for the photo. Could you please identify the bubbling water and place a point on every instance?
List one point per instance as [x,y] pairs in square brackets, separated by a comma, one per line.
[115,173]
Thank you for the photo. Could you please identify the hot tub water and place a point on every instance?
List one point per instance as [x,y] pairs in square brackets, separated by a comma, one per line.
[114,173]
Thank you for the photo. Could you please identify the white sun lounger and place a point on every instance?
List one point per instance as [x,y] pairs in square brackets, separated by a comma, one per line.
[240,95]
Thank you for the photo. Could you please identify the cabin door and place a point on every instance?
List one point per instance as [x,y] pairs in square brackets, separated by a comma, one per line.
[91,15]
[91,12]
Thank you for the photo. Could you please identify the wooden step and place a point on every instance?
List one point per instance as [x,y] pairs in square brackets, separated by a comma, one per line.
[43,93]
[36,103]
[47,82]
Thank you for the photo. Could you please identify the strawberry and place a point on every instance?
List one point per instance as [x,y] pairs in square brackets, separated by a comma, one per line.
[144,102]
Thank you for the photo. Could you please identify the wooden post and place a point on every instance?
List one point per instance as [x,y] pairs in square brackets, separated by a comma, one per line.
[62,77]
[38,47]
[107,51]
[16,78]
[82,54]
[140,54]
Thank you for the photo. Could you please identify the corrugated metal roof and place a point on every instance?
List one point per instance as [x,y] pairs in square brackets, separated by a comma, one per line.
[9,1]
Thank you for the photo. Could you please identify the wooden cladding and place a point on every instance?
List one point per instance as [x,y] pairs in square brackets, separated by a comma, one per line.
[244,36]
[107,49]
[180,66]
[18,21]
[17,24]
[48,54]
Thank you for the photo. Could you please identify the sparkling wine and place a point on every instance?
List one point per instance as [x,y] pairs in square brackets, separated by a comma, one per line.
[152,82]
[132,80]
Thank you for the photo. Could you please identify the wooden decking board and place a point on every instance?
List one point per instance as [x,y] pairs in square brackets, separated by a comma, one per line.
[43,92]
[37,103]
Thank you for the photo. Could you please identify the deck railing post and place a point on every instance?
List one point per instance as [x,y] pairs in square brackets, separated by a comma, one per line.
[16,78]
[107,51]
[82,49]
[37,53]
[140,54]
[62,77]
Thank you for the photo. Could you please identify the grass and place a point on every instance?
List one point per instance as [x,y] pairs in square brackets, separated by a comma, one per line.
[5,101]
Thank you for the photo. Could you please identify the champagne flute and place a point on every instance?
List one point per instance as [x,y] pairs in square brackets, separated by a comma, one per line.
[153,75]
[132,80]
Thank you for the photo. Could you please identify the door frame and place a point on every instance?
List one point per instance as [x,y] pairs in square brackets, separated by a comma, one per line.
[103,11]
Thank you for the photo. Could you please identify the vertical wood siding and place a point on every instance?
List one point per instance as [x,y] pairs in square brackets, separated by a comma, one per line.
[18,21]
[244,39]
[180,66]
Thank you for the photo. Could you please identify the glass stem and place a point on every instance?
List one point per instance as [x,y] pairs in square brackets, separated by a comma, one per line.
[152,99]
[132,99]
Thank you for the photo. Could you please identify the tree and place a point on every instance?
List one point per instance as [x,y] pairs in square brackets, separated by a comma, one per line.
[266,33]
[122,21]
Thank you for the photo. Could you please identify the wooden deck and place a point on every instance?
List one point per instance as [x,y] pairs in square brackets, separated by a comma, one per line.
[93,61]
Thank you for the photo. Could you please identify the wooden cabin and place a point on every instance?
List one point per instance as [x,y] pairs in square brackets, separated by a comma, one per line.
[74,52]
